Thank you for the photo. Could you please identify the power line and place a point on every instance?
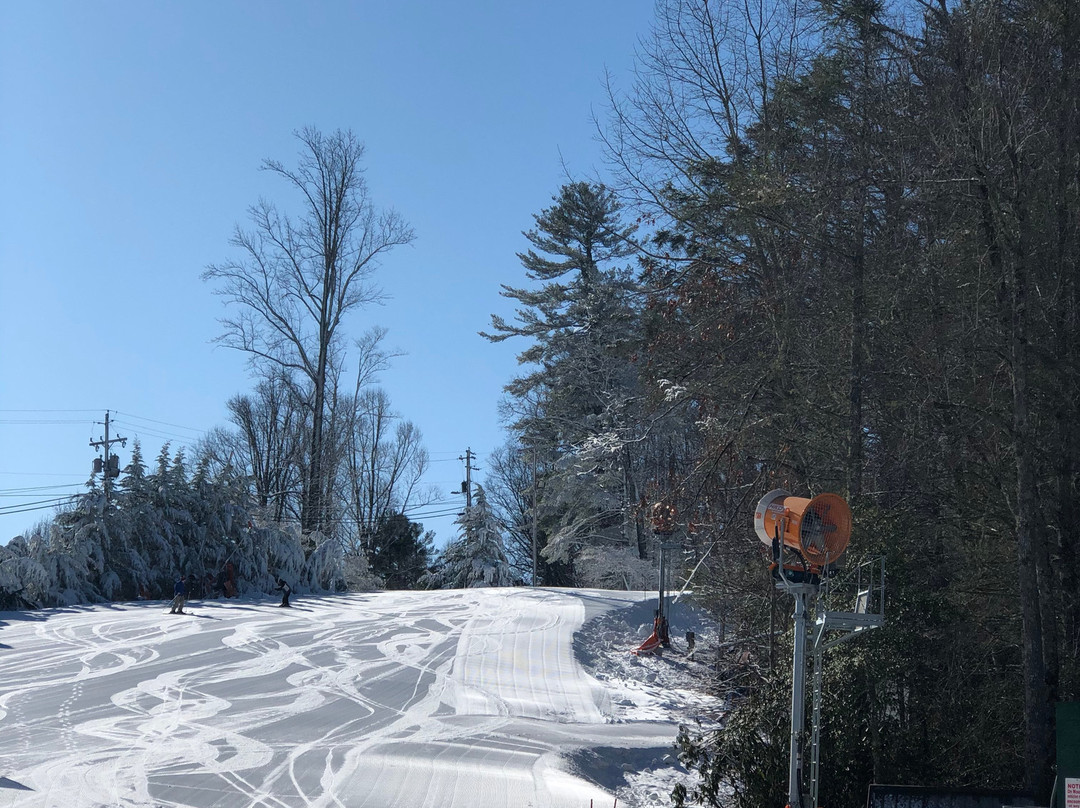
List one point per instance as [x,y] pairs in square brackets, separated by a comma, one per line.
[429,504]
[437,504]
[149,432]
[39,474]
[44,421]
[15,492]
[414,516]
[98,409]
[130,421]
[162,423]
[40,505]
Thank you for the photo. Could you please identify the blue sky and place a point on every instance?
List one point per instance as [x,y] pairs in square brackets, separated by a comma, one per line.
[130,139]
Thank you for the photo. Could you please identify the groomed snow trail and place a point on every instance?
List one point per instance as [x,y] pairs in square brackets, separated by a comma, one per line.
[456,699]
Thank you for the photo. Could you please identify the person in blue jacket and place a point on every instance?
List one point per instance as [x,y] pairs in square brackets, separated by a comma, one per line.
[179,596]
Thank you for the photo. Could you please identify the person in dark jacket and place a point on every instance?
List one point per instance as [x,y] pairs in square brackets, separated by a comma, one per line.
[285,590]
[179,596]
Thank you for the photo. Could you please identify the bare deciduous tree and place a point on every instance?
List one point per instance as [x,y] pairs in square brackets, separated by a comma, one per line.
[384,460]
[269,423]
[297,278]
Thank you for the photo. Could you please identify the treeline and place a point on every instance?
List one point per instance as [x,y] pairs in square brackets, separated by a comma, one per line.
[837,252]
[154,526]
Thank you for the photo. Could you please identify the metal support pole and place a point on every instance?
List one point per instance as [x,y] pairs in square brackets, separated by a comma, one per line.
[534,515]
[815,724]
[660,586]
[798,707]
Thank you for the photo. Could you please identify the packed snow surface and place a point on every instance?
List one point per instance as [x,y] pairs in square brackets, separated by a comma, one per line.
[460,698]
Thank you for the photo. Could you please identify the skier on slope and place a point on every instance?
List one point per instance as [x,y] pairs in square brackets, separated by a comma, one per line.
[179,596]
[285,591]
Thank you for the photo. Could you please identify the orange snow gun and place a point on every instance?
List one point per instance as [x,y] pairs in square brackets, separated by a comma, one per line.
[817,530]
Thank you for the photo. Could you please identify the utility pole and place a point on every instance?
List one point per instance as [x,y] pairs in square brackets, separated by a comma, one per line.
[466,489]
[111,464]
[467,485]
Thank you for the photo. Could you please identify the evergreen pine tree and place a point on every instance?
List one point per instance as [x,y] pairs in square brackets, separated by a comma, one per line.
[477,557]
[579,404]
[400,551]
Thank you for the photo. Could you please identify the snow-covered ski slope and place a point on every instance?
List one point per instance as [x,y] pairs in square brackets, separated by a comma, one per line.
[456,699]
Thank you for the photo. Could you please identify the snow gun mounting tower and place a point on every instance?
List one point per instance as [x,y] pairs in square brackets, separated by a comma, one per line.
[663,517]
[807,538]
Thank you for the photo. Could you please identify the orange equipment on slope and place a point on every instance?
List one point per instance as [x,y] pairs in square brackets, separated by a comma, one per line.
[817,529]
[650,646]
[659,637]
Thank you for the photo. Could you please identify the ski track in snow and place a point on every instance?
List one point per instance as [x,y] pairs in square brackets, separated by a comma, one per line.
[454,699]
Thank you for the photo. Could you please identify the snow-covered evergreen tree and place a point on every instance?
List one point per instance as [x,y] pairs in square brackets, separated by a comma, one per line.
[324,569]
[614,567]
[157,526]
[358,574]
[268,550]
[148,564]
[477,557]
[75,556]
[23,581]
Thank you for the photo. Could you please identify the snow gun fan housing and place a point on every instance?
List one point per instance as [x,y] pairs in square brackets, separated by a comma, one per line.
[816,529]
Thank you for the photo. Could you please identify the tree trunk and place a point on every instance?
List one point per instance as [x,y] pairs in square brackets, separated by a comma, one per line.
[311,518]
[1030,545]
[1068,322]
[639,539]
[857,352]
